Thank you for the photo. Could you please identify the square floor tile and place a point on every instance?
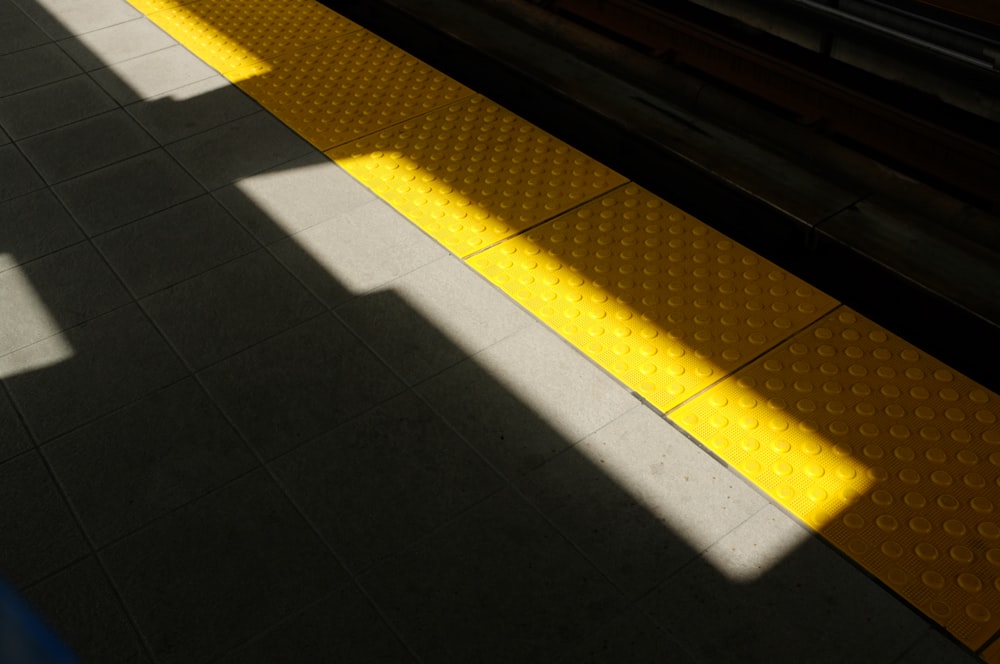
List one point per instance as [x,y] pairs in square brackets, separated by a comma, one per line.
[640,499]
[62,18]
[74,377]
[56,292]
[128,190]
[343,628]
[19,176]
[293,197]
[14,438]
[39,533]
[383,480]
[117,43]
[631,637]
[175,244]
[299,384]
[486,398]
[153,73]
[238,148]
[17,31]
[356,252]
[83,609]
[32,226]
[217,572]
[496,585]
[34,67]
[230,308]
[432,318]
[152,457]
[192,109]
[804,602]
[41,109]
[86,145]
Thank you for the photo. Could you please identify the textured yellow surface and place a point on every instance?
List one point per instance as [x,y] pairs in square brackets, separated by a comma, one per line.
[891,455]
[659,299]
[334,92]
[150,6]
[229,34]
[474,173]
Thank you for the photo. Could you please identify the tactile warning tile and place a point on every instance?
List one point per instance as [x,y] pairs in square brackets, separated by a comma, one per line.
[228,34]
[150,6]
[889,454]
[474,173]
[338,90]
[657,298]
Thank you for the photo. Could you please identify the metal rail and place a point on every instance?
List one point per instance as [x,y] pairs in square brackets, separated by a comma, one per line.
[987,51]
[963,159]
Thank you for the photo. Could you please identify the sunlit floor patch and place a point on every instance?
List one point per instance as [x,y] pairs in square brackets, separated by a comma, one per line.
[891,455]
[337,91]
[656,297]
[474,173]
[229,34]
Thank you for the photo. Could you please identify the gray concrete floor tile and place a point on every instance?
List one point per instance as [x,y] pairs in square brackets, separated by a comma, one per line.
[935,648]
[432,318]
[757,599]
[356,252]
[14,438]
[115,195]
[175,244]
[343,627]
[152,457]
[41,109]
[192,109]
[299,385]
[631,638]
[56,292]
[86,145]
[220,570]
[17,31]
[74,377]
[32,226]
[293,197]
[230,308]
[83,609]
[238,149]
[498,584]
[527,398]
[39,533]
[152,74]
[63,18]
[640,499]
[380,482]
[19,177]
[117,43]
[34,67]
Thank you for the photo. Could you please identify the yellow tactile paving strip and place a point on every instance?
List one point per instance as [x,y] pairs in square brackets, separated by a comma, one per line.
[891,455]
[473,173]
[664,302]
[886,452]
[229,34]
[334,92]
